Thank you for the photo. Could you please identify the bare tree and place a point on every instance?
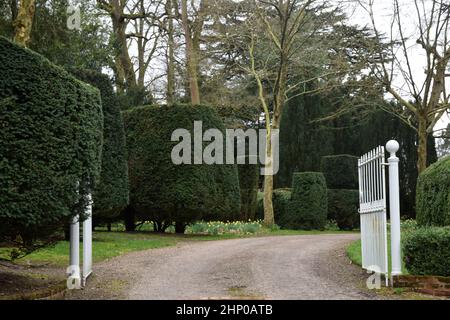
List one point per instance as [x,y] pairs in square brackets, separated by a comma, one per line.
[170,52]
[423,97]
[148,30]
[283,30]
[192,20]
[133,21]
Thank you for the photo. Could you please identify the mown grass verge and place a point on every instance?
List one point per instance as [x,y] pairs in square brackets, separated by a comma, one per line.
[112,244]
[355,255]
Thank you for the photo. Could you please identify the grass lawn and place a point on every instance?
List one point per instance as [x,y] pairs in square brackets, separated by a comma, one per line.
[355,255]
[354,252]
[111,244]
[105,245]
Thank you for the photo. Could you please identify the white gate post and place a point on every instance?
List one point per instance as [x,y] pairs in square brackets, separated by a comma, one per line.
[74,268]
[87,242]
[394,200]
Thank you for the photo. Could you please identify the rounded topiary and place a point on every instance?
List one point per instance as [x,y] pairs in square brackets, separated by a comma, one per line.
[112,193]
[50,145]
[164,192]
[340,171]
[426,251]
[307,209]
[433,195]
[280,200]
[248,183]
[343,208]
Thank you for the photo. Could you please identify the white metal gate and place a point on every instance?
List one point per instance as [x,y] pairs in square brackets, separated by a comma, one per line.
[372,191]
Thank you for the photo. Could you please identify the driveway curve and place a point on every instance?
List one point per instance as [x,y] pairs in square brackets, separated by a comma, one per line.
[290,267]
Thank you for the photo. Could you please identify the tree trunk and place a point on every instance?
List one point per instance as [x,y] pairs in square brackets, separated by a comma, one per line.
[180,227]
[24,22]
[170,94]
[269,217]
[14,9]
[129,219]
[124,70]
[67,232]
[191,56]
[423,143]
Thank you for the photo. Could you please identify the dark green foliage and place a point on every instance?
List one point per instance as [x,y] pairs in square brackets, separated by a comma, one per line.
[112,193]
[376,129]
[163,192]
[343,208]
[433,195]
[87,48]
[134,97]
[281,199]
[340,171]
[307,209]
[50,138]
[248,183]
[303,141]
[6,26]
[426,251]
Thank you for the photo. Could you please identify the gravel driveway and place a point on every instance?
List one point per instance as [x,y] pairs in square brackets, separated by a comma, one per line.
[290,267]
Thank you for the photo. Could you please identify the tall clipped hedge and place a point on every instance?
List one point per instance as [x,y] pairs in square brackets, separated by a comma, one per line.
[340,171]
[433,195]
[341,175]
[50,142]
[112,193]
[281,199]
[248,183]
[343,208]
[307,209]
[163,192]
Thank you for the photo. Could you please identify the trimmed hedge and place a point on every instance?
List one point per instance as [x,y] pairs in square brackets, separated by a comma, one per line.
[281,199]
[433,195]
[308,207]
[248,183]
[343,208]
[163,192]
[340,171]
[426,251]
[50,139]
[111,195]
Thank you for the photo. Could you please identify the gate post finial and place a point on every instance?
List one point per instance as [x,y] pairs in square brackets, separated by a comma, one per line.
[392,147]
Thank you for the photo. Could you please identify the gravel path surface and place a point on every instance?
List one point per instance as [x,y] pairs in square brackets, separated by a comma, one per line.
[290,267]
[264,268]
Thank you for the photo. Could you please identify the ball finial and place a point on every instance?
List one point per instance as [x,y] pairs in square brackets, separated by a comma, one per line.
[392,146]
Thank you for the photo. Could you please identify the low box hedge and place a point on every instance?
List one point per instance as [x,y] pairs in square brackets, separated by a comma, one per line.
[281,198]
[343,208]
[433,195]
[426,251]
[308,207]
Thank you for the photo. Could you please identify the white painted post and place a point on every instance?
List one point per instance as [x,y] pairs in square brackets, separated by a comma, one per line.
[74,269]
[394,204]
[87,242]
[75,242]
